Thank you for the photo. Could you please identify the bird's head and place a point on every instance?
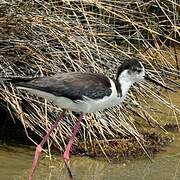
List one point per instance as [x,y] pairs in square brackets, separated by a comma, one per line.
[131,71]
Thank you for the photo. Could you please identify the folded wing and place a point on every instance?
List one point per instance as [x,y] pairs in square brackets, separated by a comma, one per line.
[74,85]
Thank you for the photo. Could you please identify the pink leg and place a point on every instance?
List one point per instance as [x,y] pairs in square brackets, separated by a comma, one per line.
[68,147]
[40,146]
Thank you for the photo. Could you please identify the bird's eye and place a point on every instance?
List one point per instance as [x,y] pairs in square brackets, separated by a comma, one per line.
[138,70]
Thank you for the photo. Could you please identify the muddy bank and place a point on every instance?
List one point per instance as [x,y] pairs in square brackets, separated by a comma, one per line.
[128,147]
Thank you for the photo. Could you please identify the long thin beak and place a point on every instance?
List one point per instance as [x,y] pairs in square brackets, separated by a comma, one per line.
[147,77]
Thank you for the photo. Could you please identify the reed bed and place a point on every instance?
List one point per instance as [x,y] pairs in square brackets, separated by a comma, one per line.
[40,38]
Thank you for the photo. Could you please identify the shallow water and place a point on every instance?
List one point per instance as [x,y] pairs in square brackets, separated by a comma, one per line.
[15,163]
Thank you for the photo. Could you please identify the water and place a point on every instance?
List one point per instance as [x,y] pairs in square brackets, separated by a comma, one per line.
[16,161]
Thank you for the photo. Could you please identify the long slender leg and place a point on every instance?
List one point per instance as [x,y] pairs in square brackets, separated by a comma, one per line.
[40,146]
[68,147]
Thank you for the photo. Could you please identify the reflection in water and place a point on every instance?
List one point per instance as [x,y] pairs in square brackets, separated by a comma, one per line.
[15,163]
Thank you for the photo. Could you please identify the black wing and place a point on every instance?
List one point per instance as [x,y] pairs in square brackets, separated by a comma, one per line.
[72,85]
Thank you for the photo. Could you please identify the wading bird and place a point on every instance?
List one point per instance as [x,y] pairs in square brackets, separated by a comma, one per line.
[83,93]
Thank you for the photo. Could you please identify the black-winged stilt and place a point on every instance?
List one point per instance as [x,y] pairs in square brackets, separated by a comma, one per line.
[83,93]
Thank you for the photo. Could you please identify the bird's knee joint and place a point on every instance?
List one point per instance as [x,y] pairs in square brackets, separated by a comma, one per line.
[38,148]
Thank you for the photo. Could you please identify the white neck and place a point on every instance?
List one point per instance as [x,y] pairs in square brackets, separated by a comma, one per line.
[125,82]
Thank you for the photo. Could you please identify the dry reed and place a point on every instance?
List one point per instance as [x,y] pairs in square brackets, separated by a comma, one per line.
[40,38]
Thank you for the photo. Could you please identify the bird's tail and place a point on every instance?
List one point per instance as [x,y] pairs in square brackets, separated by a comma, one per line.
[15,79]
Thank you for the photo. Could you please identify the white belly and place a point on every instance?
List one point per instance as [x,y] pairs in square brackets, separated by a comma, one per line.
[87,105]
[95,105]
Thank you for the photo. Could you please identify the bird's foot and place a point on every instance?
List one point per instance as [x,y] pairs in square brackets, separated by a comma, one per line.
[66,162]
